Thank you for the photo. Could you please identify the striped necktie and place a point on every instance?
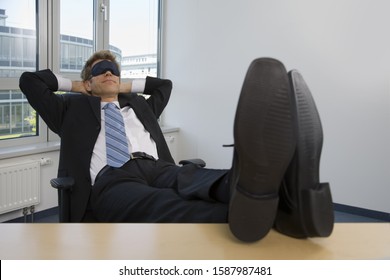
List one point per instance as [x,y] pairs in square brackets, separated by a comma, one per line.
[116,141]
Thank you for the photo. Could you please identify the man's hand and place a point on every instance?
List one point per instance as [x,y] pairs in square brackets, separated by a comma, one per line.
[78,86]
[125,87]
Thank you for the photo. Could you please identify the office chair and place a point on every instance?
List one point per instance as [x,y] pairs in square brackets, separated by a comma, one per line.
[64,186]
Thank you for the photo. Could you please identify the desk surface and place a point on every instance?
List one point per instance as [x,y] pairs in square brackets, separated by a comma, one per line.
[185,241]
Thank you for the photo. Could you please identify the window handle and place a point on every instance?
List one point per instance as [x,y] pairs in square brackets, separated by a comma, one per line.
[104,9]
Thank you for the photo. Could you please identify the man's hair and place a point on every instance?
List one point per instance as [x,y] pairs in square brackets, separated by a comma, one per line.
[104,54]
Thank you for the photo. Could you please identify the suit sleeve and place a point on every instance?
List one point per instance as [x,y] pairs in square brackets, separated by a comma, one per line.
[160,92]
[39,88]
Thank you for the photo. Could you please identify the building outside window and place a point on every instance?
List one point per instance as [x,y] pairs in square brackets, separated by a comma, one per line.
[17,54]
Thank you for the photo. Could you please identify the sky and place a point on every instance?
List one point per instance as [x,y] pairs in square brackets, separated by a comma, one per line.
[133,28]
[21,13]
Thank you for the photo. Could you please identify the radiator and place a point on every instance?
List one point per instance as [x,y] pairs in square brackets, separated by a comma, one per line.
[19,185]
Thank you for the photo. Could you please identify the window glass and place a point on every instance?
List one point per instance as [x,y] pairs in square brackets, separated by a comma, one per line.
[76,38]
[17,118]
[134,34]
[18,49]
[17,37]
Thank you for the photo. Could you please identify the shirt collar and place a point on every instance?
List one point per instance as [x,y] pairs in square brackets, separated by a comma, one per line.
[102,104]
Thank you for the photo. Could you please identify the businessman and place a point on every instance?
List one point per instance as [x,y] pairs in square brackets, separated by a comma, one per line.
[111,143]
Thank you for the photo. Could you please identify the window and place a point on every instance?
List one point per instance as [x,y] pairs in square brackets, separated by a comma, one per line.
[134,33]
[76,40]
[17,118]
[18,53]
[69,32]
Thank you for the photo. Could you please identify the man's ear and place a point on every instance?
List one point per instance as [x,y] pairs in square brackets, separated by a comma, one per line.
[87,85]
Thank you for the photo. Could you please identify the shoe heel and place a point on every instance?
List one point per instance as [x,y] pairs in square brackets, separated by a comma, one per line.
[318,214]
[250,219]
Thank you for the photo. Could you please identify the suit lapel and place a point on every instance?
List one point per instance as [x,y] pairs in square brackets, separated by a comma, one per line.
[95,106]
[148,119]
[142,111]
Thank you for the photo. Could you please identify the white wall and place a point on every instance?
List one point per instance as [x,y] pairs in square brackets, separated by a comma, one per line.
[342,48]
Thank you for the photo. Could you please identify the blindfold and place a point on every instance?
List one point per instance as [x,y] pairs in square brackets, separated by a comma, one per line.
[104,66]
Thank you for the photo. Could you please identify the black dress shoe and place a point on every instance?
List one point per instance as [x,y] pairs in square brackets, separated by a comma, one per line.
[306,208]
[264,143]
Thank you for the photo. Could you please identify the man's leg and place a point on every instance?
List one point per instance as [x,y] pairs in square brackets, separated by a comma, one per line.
[194,182]
[146,191]
[264,145]
[138,203]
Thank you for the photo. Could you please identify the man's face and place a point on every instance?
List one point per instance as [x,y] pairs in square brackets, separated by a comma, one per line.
[105,80]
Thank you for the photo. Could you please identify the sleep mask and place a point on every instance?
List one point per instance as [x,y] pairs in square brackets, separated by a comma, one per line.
[104,66]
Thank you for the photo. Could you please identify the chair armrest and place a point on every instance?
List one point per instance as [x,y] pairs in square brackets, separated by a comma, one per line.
[196,161]
[62,183]
[64,186]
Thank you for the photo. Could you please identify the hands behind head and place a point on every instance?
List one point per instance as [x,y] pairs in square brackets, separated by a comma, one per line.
[125,87]
[78,86]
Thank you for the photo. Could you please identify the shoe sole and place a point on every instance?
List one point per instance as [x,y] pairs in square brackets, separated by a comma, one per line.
[310,207]
[264,146]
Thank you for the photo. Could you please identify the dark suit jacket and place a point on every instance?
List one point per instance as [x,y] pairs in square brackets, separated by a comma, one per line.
[76,119]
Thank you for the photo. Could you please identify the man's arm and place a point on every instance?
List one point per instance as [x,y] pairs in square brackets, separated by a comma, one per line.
[66,84]
[39,88]
[135,86]
[158,89]
[160,92]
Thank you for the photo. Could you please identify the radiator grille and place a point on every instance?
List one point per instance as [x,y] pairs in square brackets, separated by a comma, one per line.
[19,185]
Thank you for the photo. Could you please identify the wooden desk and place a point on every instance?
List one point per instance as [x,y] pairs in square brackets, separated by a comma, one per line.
[184,242]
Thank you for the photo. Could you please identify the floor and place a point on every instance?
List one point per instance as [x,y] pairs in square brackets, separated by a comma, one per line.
[340,217]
